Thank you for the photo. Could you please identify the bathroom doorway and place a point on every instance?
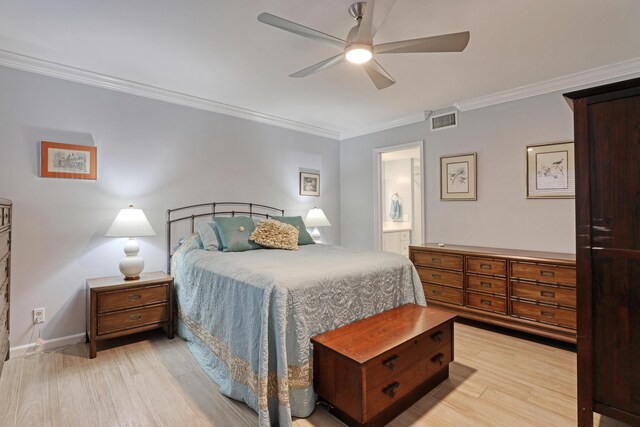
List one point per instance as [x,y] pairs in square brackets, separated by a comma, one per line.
[399,219]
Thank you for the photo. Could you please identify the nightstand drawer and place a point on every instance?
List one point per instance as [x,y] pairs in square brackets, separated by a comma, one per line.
[146,295]
[128,319]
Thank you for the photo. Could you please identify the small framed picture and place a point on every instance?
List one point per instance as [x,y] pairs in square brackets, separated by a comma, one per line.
[458,177]
[58,160]
[551,171]
[309,184]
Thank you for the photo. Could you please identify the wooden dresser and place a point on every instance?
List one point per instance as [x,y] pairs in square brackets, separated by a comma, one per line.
[525,290]
[5,278]
[607,142]
[372,370]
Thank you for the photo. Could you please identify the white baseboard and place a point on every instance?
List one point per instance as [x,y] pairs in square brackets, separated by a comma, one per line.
[21,350]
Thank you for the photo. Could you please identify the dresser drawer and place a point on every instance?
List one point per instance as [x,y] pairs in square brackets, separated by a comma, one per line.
[441,277]
[544,273]
[4,243]
[443,293]
[496,267]
[110,301]
[487,302]
[128,319]
[389,363]
[544,293]
[388,392]
[546,314]
[438,260]
[487,284]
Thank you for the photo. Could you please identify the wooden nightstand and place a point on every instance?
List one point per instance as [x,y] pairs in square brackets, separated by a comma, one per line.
[117,307]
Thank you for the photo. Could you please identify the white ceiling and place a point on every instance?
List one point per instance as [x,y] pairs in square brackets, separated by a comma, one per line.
[218,51]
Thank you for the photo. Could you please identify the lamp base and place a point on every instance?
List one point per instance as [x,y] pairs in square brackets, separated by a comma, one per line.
[315,234]
[131,265]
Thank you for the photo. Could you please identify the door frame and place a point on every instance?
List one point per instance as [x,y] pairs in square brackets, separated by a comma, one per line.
[377,167]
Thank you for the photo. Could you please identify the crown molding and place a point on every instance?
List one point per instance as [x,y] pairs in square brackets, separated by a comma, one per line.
[579,80]
[407,120]
[78,75]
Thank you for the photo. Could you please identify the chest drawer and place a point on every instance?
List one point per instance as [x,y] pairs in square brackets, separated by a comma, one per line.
[438,260]
[487,284]
[495,267]
[443,293]
[122,320]
[441,277]
[118,300]
[487,302]
[409,353]
[546,314]
[544,293]
[544,273]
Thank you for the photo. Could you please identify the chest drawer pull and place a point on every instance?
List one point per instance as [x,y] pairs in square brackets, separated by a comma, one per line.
[135,317]
[437,260]
[390,390]
[485,266]
[391,362]
[547,273]
[485,284]
[436,276]
[548,314]
[135,297]
[547,294]
[438,358]
[437,337]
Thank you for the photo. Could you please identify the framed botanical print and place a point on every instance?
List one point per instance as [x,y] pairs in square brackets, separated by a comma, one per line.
[458,177]
[551,171]
[58,160]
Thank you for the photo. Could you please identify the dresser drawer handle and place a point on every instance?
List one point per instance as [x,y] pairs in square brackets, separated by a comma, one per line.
[548,314]
[436,260]
[438,358]
[391,362]
[547,273]
[485,284]
[547,294]
[485,266]
[485,302]
[436,292]
[390,390]
[135,297]
[135,317]
[437,337]
[436,276]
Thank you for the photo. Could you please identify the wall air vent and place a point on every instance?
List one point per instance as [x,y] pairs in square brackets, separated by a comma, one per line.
[444,121]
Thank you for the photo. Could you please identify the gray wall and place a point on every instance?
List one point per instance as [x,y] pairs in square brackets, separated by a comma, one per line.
[152,154]
[502,216]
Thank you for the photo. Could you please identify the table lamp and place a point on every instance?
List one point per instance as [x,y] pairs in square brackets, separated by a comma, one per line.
[316,218]
[131,222]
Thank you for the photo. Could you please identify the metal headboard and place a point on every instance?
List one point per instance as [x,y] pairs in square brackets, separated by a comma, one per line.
[189,214]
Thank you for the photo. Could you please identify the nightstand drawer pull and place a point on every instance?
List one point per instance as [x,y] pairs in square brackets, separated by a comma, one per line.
[135,297]
[547,273]
[390,390]
[390,363]
[437,337]
[438,358]
[547,294]
[485,302]
[485,266]
[135,317]
[485,284]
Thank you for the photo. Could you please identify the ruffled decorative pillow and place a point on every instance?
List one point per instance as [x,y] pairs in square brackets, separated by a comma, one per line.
[275,235]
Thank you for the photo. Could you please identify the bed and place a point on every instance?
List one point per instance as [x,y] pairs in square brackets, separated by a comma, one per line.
[248,316]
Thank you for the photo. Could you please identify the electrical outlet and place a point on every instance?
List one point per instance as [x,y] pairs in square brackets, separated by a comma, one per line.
[38,315]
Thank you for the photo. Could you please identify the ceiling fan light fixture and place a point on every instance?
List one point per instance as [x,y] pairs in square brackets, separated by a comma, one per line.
[358,53]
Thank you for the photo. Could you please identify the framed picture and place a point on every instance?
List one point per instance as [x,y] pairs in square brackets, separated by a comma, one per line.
[458,177]
[551,171]
[58,160]
[309,184]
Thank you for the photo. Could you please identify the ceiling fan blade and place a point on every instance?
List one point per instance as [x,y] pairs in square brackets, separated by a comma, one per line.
[330,62]
[300,30]
[375,12]
[383,7]
[455,42]
[378,75]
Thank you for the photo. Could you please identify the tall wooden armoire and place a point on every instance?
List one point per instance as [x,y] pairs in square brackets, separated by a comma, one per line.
[607,143]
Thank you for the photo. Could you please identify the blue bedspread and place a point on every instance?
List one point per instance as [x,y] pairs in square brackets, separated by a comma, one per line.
[248,316]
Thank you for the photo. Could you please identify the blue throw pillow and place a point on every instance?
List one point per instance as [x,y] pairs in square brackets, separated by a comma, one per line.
[234,233]
[209,236]
[304,238]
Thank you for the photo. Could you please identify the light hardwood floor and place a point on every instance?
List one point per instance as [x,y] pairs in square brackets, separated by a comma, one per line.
[148,380]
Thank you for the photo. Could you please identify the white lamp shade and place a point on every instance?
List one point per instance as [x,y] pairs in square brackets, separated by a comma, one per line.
[316,218]
[130,222]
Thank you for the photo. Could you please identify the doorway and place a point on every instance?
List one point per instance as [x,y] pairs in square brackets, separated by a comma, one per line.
[399,219]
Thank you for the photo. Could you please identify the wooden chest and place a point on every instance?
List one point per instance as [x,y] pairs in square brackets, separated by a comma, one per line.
[372,370]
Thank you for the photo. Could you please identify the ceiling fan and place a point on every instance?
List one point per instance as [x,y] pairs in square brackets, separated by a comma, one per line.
[358,48]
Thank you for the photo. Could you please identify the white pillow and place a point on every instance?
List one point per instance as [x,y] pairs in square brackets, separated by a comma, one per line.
[207,233]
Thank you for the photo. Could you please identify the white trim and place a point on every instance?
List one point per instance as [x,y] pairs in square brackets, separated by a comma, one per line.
[78,75]
[408,120]
[600,75]
[22,350]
